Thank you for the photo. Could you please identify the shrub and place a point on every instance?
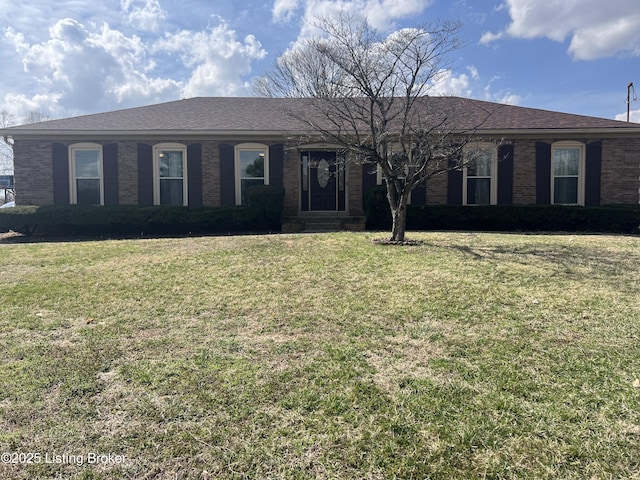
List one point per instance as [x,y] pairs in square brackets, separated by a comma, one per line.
[615,219]
[267,202]
[376,208]
[129,220]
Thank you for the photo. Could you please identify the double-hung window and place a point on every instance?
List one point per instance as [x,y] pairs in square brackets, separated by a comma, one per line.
[479,175]
[170,174]
[567,173]
[251,168]
[86,174]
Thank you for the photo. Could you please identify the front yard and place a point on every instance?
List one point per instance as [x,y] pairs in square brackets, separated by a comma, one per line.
[321,356]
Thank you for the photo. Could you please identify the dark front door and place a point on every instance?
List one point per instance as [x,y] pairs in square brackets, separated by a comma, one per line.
[322,181]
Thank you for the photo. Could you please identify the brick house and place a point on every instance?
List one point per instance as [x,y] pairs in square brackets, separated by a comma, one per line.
[207,151]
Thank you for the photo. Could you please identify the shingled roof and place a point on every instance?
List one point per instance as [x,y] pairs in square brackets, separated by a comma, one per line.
[220,115]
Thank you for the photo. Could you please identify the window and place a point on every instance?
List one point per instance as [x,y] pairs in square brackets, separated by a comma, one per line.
[567,173]
[86,174]
[170,174]
[252,168]
[479,175]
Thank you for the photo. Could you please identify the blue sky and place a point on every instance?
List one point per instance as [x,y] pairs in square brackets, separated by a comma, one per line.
[73,57]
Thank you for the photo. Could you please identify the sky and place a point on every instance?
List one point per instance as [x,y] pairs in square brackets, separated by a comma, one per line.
[73,57]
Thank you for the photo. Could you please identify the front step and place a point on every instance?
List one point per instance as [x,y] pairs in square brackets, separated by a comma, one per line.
[322,224]
[315,226]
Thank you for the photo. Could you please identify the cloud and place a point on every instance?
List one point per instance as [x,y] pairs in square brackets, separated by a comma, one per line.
[634,116]
[80,68]
[216,58]
[283,10]
[144,15]
[381,14]
[595,30]
[88,67]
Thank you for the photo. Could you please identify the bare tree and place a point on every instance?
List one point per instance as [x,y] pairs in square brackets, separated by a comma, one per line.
[369,96]
[6,118]
[35,116]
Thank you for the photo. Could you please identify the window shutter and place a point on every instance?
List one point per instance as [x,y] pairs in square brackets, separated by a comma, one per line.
[505,175]
[227,175]
[593,169]
[194,174]
[454,184]
[369,179]
[110,172]
[276,164]
[543,173]
[60,155]
[419,194]
[145,174]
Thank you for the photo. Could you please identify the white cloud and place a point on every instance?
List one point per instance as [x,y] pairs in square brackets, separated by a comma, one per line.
[596,30]
[381,14]
[634,116]
[283,9]
[446,83]
[145,15]
[80,69]
[217,59]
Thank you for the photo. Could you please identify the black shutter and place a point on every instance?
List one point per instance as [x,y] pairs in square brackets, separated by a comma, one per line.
[505,175]
[227,175]
[60,155]
[543,173]
[419,194]
[454,184]
[145,174]
[194,174]
[369,179]
[276,165]
[593,169]
[110,172]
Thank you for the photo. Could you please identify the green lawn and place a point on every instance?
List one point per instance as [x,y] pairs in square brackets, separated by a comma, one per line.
[322,356]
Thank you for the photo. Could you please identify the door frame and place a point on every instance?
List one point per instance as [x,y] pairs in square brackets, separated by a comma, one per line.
[304,183]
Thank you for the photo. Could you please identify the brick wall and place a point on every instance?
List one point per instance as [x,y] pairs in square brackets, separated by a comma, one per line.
[33,171]
[620,180]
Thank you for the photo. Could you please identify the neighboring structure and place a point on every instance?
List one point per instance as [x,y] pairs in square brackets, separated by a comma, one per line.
[207,151]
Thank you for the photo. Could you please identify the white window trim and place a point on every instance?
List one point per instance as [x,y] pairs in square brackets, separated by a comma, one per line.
[173,147]
[581,170]
[73,188]
[493,194]
[257,147]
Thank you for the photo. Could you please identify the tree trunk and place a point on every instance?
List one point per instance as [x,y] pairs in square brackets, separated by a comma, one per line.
[399,219]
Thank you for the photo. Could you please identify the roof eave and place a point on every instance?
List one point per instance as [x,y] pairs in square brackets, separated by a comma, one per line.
[222,134]
[20,134]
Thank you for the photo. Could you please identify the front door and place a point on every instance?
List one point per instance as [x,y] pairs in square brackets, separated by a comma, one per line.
[322,175]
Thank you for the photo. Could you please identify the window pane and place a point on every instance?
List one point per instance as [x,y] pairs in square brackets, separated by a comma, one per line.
[566,161]
[478,191]
[87,163]
[565,190]
[251,164]
[246,183]
[481,165]
[170,164]
[171,192]
[88,191]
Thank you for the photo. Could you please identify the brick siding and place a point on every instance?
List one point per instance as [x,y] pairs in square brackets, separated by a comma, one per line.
[620,179]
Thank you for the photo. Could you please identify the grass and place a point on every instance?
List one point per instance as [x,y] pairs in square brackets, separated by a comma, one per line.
[322,356]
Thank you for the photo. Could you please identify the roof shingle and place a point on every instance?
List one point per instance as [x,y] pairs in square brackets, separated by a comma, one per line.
[250,114]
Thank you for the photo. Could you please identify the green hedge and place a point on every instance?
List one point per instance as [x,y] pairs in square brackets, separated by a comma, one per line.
[130,220]
[615,218]
[264,213]
[267,202]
